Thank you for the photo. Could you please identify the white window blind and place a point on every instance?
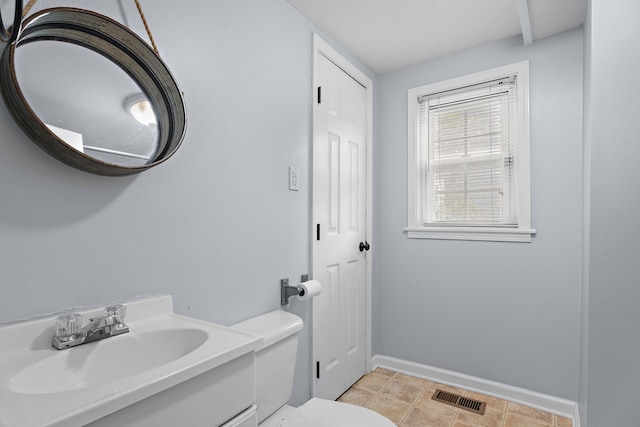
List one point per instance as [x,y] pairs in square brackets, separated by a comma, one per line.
[467,151]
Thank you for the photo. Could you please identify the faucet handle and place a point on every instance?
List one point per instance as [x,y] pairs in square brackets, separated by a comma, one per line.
[68,325]
[119,311]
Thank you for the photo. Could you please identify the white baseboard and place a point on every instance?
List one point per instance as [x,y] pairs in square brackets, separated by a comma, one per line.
[555,405]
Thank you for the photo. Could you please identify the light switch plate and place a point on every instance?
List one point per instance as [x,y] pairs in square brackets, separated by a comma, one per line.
[293,178]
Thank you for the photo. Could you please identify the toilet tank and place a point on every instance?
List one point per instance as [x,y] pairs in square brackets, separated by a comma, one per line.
[275,359]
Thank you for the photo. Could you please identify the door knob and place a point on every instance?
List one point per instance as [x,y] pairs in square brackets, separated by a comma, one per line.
[364,246]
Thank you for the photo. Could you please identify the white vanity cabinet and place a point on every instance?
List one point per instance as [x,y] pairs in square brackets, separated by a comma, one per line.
[213,399]
[248,418]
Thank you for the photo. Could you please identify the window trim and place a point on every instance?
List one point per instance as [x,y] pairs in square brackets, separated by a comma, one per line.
[523,232]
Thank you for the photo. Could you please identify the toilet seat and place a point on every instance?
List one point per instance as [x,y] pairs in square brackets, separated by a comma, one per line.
[326,413]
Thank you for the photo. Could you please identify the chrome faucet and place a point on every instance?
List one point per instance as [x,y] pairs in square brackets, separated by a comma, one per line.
[68,331]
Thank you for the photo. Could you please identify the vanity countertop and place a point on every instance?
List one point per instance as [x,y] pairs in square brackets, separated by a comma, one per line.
[41,386]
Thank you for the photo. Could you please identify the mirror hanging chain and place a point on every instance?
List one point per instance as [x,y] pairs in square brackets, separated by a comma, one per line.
[28,7]
[146,27]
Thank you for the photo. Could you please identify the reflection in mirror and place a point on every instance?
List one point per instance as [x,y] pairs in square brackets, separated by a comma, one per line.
[84,95]
[141,109]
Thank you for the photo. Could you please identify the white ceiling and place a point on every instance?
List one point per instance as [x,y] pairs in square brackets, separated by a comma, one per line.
[391,34]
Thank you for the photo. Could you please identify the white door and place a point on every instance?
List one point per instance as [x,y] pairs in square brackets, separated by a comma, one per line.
[339,220]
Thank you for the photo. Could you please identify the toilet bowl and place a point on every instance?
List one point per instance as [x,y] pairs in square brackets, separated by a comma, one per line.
[274,364]
[324,413]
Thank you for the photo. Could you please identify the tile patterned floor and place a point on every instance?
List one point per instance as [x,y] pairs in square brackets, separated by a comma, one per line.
[406,401]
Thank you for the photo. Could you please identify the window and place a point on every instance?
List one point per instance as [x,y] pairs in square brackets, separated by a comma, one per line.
[469,157]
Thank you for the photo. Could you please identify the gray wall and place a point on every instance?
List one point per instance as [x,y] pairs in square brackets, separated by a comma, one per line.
[215,226]
[613,285]
[508,312]
[586,221]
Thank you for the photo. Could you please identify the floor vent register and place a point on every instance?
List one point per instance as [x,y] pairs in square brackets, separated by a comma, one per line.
[475,406]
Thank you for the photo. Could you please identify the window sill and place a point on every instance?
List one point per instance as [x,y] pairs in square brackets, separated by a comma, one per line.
[487,234]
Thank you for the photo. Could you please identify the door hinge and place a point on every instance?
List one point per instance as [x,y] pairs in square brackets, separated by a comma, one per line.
[318,369]
[317,231]
[319,94]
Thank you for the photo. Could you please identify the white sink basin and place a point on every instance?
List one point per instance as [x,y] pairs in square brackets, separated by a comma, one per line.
[106,361]
[41,386]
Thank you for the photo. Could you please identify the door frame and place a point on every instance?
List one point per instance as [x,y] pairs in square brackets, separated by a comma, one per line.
[321,47]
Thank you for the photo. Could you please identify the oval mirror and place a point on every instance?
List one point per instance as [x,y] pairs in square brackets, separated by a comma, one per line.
[92,93]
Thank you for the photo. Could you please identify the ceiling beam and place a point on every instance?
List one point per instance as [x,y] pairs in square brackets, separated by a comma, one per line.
[525,22]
